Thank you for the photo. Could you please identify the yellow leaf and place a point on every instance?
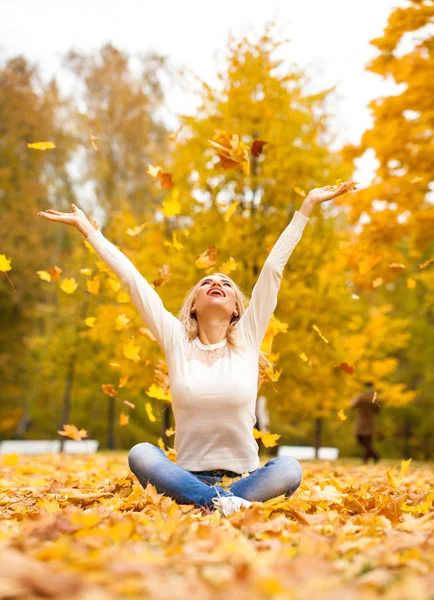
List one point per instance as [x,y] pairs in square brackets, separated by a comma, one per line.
[90,321]
[5,264]
[69,285]
[123,419]
[170,432]
[72,432]
[172,206]
[257,434]
[270,439]
[158,393]
[149,412]
[122,322]
[368,262]
[228,266]
[161,443]
[44,275]
[131,351]
[41,145]
[93,285]
[230,211]
[342,415]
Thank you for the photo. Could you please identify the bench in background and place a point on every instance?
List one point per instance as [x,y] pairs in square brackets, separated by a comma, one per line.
[308,452]
[48,446]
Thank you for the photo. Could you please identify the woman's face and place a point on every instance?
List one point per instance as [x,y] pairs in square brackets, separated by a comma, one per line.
[215,296]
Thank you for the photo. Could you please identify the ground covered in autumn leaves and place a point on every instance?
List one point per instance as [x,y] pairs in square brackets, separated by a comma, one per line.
[81,527]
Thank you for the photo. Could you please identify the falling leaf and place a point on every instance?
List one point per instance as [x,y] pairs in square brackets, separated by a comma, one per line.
[207,258]
[163,177]
[377,282]
[93,285]
[316,328]
[41,145]
[232,152]
[303,357]
[228,266]
[270,439]
[122,322]
[131,351]
[175,243]
[123,381]
[69,285]
[72,432]
[257,147]
[123,419]
[165,275]
[90,321]
[173,137]
[426,263]
[170,432]
[5,264]
[44,275]
[230,211]
[158,393]
[149,412]
[397,266]
[299,191]
[342,415]
[109,389]
[347,367]
[172,205]
[129,404]
[416,180]
[147,333]
[92,141]
[133,231]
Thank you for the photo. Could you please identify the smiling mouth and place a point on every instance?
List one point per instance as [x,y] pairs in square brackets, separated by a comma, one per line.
[216,292]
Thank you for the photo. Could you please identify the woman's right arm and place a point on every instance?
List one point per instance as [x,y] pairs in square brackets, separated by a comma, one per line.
[163,325]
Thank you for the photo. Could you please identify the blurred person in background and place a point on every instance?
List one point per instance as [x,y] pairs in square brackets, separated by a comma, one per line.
[367,406]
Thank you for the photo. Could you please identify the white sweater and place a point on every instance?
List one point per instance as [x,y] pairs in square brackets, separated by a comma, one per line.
[213,388]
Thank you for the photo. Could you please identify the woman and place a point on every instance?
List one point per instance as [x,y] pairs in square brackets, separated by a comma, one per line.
[214,360]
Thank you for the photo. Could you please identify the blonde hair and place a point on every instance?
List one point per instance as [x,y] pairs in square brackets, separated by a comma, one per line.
[188,319]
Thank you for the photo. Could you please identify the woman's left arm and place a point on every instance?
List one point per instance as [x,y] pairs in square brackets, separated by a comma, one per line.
[263,301]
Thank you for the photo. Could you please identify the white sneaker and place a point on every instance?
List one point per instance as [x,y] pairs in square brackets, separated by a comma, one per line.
[229,504]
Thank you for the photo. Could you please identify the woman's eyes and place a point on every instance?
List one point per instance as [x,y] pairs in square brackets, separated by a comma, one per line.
[224,283]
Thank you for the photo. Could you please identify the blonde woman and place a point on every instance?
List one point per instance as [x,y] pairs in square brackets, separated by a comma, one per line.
[215,368]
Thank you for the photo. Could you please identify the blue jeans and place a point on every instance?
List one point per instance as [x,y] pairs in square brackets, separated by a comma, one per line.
[150,464]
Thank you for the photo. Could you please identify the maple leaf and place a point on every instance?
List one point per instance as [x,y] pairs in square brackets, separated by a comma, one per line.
[207,258]
[270,439]
[72,432]
[165,275]
[163,177]
[109,389]
[342,415]
[41,145]
[69,285]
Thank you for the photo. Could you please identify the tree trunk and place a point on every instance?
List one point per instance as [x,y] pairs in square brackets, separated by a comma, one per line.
[111,415]
[66,408]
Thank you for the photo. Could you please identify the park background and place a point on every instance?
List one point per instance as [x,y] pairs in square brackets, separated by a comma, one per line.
[343,97]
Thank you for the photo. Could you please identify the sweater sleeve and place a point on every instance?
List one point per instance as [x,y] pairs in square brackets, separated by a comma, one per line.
[163,325]
[254,321]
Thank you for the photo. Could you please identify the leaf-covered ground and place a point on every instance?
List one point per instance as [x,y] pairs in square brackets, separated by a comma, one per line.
[83,528]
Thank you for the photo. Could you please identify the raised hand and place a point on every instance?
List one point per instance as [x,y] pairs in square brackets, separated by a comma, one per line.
[328,192]
[76,218]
